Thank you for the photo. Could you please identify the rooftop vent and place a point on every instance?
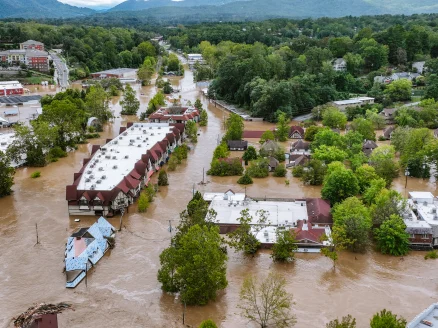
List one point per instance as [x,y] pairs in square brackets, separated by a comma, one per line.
[125,133]
[116,142]
[115,167]
[152,134]
[144,140]
[138,145]
[144,131]
[93,187]
[92,166]
[138,138]
[91,176]
[107,156]
[266,234]
[126,156]
[98,181]
[89,172]
[101,168]
[435,217]
[150,128]
[121,137]
[131,140]
[4,143]
[103,149]
[87,180]
[136,125]
[132,129]
[159,128]
[131,144]
[114,157]
[103,177]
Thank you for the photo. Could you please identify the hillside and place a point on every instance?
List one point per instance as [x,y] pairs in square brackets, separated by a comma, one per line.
[40,9]
[131,5]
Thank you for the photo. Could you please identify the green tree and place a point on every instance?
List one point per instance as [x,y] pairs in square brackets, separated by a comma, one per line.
[197,267]
[383,160]
[146,49]
[146,71]
[365,174]
[198,105]
[192,131]
[400,90]
[328,154]
[280,171]
[225,167]
[314,173]
[385,204]
[282,131]
[284,248]
[258,168]
[346,322]
[244,237]
[337,242]
[6,175]
[267,304]
[249,154]
[376,186]
[203,118]
[267,135]
[310,133]
[162,178]
[97,103]
[234,126]
[431,91]
[156,103]
[364,127]
[385,319]
[221,151]
[143,203]
[355,219]
[207,324]
[392,237]
[327,137]
[245,179]
[130,104]
[339,184]
[377,120]
[334,118]
[150,192]
[355,63]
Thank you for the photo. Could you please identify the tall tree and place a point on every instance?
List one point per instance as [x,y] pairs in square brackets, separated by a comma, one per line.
[392,237]
[339,184]
[386,319]
[345,322]
[267,304]
[282,131]
[6,175]
[234,126]
[383,160]
[130,104]
[284,247]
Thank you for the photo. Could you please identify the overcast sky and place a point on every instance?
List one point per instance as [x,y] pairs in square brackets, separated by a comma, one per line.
[93,3]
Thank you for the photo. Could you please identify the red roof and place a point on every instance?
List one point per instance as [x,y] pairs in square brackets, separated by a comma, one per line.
[131,182]
[253,134]
[318,211]
[313,234]
[296,128]
[122,185]
[135,174]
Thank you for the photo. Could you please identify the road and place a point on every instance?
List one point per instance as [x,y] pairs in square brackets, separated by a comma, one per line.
[61,70]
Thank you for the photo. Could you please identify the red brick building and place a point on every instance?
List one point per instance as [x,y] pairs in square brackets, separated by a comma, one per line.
[32,45]
[10,88]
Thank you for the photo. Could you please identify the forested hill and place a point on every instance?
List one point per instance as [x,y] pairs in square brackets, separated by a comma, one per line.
[40,9]
[134,5]
[215,10]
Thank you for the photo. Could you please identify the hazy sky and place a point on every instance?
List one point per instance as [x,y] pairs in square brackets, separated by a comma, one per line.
[92,3]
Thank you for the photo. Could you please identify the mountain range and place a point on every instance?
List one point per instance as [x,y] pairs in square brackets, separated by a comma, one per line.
[210,10]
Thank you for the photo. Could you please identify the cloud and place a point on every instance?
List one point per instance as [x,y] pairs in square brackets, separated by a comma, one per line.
[93,3]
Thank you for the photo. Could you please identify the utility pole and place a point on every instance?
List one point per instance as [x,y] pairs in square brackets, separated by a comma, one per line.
[36,228]
[203,173]
[122,211]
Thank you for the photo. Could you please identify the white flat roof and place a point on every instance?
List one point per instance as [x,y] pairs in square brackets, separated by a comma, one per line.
[209,196]
[420,195]
[5,140]
[362,98]
[347,102]
[279,213]
[118,157]
[10,85]
[430,315]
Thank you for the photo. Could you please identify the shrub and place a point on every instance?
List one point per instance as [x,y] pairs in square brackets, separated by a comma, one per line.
[280,171]
[57,152]
[298,171]
[143,203]
[431,255]
[226,167]
[245,179]
[173,162]
[207,324]
[162,178]
[258,168]
[35,174]
[150,192]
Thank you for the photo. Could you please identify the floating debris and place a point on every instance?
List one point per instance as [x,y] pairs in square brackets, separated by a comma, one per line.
[26,319]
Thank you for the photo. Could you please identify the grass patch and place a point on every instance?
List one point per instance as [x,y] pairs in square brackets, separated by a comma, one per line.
[431,255]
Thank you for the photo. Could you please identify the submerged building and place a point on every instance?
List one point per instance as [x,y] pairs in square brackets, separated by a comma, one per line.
[85,248]
[116,172]
[427,318]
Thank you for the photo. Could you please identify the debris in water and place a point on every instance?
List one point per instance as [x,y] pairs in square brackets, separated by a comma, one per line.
[25,319]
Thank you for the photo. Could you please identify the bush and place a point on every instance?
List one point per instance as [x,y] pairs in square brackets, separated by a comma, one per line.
[92,135]
[298,171]
[280,171]
[35,174]
[57,152]
[207,324]
[143,203]
[143,116]
[258,168]
[382,138]
[173,162]
[245,179]
[431,255]
[181,152]
[150,192]
[162,178]
[226,167]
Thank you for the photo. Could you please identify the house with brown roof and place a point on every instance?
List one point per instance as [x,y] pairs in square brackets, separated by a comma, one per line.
[387,133]
[297,159]
[112,178]
[300,147]
[273,163]
[309,236]
[175,114]
[252,134]
[296,132]
[237,144]
[368,147]
[319,211]
[389,115]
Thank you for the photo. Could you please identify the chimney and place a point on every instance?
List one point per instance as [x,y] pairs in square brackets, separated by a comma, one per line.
[305,226]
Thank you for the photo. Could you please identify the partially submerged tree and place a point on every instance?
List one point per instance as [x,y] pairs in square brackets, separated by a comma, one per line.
[6,175]
[244,237]
[284,248]
[386,319]
[268,303]
[346,322]
[162,178]
[338,241]
[282,131]
[207,324]
[245,179]
[130,104]
[391,236]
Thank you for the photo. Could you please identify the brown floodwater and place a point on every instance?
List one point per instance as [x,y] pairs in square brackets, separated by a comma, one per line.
[123,290]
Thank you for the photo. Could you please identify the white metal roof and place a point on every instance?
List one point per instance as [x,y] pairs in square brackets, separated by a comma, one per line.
[209,196]
[118,157]
[279,213]
[420,195]
[347,102]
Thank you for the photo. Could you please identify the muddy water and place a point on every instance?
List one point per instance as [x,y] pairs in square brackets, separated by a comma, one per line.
[123,291]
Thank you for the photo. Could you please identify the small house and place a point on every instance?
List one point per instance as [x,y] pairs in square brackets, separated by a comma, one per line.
[300,147]
[237,144]
[419,66]
[387,133]
[368,147]
[296,132]
[319,211]
[389,115]
[339,65]
[273,163]
[297,159]
[309,236]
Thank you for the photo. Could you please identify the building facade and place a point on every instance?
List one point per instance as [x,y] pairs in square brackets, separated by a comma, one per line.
[11,88]
[32,45]
[113,177]
[34,59]
[175,114]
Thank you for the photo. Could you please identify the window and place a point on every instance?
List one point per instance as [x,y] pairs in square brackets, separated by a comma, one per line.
[425,236]
[83,202]
[411,235]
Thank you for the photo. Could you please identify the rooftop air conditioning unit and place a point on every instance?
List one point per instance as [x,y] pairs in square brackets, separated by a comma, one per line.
[435,217]
[144,140]
[138,138]
[103,149]
[144,131]
[266,234]
[89,172]
[115,167]
[131,140]
[121,137]
[152,134]
[126,156]
[125,133]
[147,139]
[138,145]
[150,128]
[136,125]
[131,144]
[159,128]
[114,157]
[267,240]
[98,181]
[87,180]
[115,142]
[96,161]
[99,156]
[93,187]
[101,168]
[4,143]
[132,129]
[91,176]
[103,177]
[92,166]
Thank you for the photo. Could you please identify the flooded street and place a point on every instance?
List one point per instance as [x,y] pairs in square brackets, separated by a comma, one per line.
[123,290]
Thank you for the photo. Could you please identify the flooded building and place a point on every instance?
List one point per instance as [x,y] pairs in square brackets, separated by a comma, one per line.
[424,208]
[308,224]
[6,139]
[84,248]
[175,114]
[9,88]
[228,195]
[116,172]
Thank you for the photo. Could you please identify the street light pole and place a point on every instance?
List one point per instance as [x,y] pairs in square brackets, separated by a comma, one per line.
[406,175]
